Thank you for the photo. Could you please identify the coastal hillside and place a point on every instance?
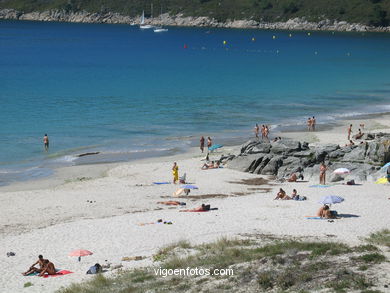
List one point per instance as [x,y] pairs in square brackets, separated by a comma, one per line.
[374,13]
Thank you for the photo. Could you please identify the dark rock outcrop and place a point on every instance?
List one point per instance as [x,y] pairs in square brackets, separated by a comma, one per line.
[285,157]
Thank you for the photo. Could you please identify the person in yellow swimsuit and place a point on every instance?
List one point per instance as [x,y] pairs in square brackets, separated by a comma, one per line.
[175,172]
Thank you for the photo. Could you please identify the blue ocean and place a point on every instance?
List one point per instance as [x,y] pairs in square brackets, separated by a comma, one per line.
[129,93]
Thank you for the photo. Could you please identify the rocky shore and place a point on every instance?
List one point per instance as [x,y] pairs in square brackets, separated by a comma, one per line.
[284,157]
[181,20]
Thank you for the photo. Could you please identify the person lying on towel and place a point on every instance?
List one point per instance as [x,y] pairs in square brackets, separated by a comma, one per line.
[282,195]
[203,207]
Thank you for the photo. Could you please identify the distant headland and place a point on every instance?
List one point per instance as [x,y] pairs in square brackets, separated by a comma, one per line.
[326,15]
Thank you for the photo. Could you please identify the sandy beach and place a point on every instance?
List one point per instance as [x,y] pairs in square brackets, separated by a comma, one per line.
[100,208]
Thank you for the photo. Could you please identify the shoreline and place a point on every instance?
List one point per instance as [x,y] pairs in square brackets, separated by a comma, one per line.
[295,24]
[325,133]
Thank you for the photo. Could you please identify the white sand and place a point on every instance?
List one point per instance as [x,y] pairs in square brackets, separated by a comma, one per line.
[57,219]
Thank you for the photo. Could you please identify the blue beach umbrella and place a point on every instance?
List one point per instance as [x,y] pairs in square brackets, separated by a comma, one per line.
[331,199]
[189,186]
[214,147]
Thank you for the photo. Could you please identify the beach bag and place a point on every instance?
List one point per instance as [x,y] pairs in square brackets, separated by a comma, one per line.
[97,268]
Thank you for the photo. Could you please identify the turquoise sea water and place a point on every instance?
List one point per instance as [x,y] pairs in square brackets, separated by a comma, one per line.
[129,93]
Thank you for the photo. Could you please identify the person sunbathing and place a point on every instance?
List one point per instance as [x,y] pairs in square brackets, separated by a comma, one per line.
[324,212]
[33,269]
[282,195]
[48,268]
[203,207]
[209,165]
[293,178]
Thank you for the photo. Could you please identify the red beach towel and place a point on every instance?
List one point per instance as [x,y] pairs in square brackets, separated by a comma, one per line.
[59,273]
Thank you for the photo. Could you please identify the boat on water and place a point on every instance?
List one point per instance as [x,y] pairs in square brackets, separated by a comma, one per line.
[160,29]
[142,23]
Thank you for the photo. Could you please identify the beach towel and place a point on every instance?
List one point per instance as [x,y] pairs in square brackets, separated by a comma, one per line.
[59,273]
[159,183]
[315,218]
[319,186]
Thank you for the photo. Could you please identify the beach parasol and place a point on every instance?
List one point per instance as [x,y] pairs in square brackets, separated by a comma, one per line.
[80,252]
[331,199]
[189,186]
[340,171]
[214,147]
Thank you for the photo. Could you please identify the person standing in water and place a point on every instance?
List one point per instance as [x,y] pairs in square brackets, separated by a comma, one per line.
[349,132]
[313,124]
[175,172]
[308,123]
[257,129]
[323,169]
[46,142]
[202,144]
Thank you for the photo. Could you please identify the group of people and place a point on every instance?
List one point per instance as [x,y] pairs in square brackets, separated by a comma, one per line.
[45,266]
[202,143]
[311,123]
[264,131]
[294,196]
[211,165]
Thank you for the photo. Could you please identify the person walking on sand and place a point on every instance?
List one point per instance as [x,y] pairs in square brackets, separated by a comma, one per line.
[175,172]
[323,169]
[202,144]
[209,142]
[308,123]
[349,132]
[46,142]
[257,129]
[313,124]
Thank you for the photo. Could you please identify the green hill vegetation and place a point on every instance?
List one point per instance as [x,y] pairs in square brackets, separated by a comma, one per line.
[369,12]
